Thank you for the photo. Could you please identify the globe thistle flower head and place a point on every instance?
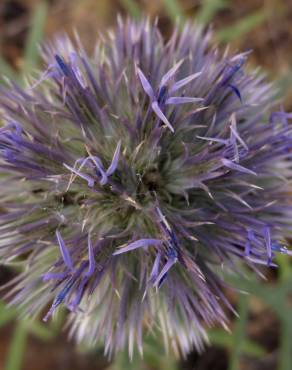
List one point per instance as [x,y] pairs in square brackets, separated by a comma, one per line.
[131,178]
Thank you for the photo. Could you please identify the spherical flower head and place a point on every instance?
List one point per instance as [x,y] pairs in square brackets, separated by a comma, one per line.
[133,177]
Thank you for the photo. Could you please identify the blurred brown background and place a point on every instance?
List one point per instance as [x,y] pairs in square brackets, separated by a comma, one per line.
[261,25]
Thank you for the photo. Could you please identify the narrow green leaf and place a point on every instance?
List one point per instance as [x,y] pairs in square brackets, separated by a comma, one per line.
[239,333]
[16,349]
[209,8]
[6,315]
[270,294]
[221,338]
[43,332]
[285,268]
[243,26]
[285,353]
[132,8]
[174,11]
[154,357]
[35,36]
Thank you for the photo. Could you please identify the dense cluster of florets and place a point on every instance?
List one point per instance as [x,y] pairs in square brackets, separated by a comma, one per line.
[131,178]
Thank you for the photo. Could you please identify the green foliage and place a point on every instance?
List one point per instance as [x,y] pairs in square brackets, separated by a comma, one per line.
[174,11]
[209,8]
[242,26]
[239,333]
[6,314]
[34,38]
[222,338]
[7,70]
[22,328]
[154,357]
[132,8]
[17,347]
[277,298]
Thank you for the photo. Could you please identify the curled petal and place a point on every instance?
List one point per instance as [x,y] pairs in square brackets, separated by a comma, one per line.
[168,75]
[64,252]
[267,236]
[59,299]
[213,139]
[138,244]
[100,169]
[115,160]
[63,66]
[181,83]
[91,260]
[182,100]
[161,115]
[236,90]
[52,275]
[161,277]
[90,180]
[234,166]
[146,84]
[234,131]
[155,268]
